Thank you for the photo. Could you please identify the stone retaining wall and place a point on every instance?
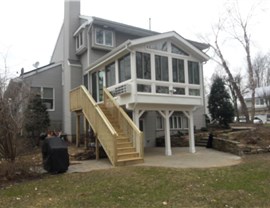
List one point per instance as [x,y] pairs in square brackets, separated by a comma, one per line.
[236,148]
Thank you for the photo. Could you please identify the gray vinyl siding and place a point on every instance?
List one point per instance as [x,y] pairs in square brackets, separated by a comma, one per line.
[50,78]
[95,54]
[58,55]
[199,118]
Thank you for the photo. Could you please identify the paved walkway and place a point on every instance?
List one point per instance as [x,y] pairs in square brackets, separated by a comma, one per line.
[181,158]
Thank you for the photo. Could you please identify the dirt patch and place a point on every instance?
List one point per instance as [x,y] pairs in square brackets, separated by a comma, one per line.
[257,135]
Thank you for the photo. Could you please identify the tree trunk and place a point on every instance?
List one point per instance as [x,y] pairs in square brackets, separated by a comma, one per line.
[250,74]
[233,83]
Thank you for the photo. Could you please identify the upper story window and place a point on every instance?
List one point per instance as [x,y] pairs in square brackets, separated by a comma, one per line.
[46,95]
[79,40]
[259,101]
[177,50]
[104,37]
[143,65]
[110,74]
[162,72]
[124,68]
[193,72]
[178,70]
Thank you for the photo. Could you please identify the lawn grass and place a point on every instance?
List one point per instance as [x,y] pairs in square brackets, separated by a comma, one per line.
[244,185]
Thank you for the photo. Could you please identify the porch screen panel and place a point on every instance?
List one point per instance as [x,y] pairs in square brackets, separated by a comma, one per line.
[193,72]
[162,73]
[178,70]
[143,65]
[110,75]
[124,68]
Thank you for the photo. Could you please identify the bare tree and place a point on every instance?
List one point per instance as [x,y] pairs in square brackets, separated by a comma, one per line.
[13,98]
[261,67]
[239,30]
[222,61]
[235,27]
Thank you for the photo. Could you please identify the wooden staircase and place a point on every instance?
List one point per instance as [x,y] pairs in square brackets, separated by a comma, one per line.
[125,152]
[119,136]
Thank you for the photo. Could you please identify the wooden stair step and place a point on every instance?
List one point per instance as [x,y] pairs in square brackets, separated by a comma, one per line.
[130,161]
[123,140]
[124,144]
[126,149]
[128,155]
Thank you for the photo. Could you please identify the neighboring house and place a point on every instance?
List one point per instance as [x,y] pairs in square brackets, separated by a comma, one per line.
[156,78]
[262,103]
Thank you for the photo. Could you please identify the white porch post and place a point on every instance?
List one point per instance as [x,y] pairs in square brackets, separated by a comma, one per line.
[136,116]
[191,131]
[166,115]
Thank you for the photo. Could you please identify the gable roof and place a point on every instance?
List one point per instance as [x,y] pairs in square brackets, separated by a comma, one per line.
[175,37]
[90,20]
[132,43]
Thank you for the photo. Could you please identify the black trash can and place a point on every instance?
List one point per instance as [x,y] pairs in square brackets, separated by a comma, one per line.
[55,155]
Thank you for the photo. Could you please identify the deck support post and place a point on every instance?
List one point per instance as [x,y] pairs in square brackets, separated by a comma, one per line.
[189,115]
[78,130]
[86,133]
[166,116]
[97,148]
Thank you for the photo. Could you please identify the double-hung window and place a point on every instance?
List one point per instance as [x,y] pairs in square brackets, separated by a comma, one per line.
[46,95]
[104,37]
[162,73]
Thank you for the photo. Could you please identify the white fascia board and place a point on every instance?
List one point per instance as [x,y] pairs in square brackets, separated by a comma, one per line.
[199,52]
[171,34]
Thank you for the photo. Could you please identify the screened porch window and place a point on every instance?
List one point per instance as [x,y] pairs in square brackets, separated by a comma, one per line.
[177,50]
[179,91]
[194,92]
[193,72]
[143,65]
[143,88]
[178,70]
[162,89]
[162,73]
[124,68]
[110,75]
[160,46]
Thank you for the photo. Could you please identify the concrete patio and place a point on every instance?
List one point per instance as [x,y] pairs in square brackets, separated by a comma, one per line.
[181,158]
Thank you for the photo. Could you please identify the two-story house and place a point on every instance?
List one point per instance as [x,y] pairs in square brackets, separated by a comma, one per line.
[262,103]
[155,78]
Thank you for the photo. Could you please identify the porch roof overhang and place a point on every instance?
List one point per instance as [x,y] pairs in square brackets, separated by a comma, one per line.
[129,44]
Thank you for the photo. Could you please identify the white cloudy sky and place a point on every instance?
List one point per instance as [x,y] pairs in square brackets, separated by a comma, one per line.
[29,28]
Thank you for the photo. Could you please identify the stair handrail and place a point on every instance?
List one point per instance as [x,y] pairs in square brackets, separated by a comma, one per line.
[125,122]
[81,100]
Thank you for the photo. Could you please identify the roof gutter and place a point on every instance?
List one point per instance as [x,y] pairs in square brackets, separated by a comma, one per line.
[108,56]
